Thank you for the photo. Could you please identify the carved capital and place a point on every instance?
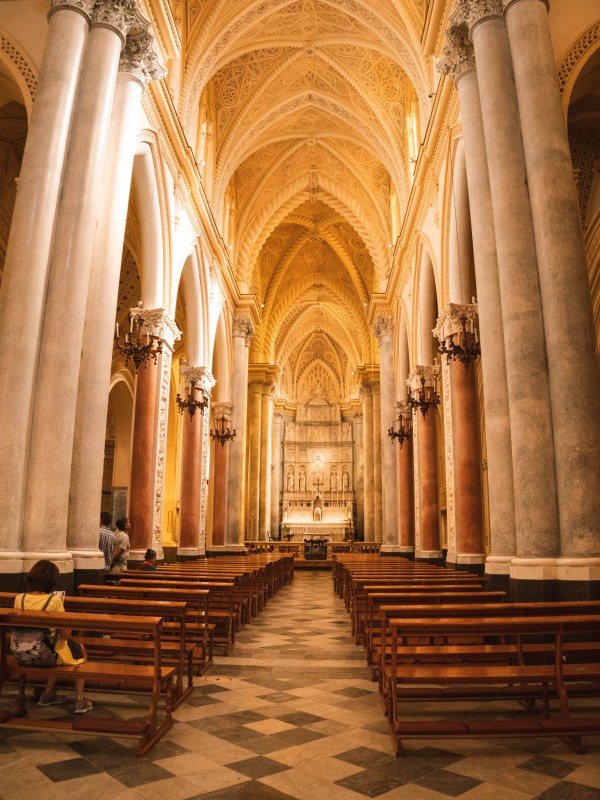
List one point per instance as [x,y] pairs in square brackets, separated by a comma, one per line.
[475,11]
[241,325]
[431,375]
[403,410]
[121,16]
[201,375]
[383,326]
[509,3]
[365,390]
[450,320]
[458,56]
[221,410]
[139,59]
[84,7]
[157,322]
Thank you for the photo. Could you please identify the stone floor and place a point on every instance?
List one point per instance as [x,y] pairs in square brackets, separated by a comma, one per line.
[291,713]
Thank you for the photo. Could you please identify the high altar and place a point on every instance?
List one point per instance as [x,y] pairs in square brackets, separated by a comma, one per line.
[318,495]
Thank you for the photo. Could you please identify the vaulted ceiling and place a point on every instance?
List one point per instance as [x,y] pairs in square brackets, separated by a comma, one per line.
[317,106]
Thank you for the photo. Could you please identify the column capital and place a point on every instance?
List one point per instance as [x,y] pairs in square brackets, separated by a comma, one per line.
[365,389]
[221,410]
[121,16]
[450,321]
[472,12]
[158,323]
[139,60]
[431,375]
[261,387]
[202,376]
[509,3]
[84,7]
[241,325]
[458,56]
[383,325]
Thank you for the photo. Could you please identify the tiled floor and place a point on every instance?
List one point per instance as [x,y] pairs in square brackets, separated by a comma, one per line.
[291,713]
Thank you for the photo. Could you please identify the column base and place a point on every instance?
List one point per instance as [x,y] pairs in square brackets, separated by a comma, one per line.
[467,562]
[14,566]
[390,550]
[430,557]
[88,567]
[554,579]
[189,553]
[226,549]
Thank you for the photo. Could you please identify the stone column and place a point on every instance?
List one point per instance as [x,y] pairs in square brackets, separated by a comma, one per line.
[149,437]
[377,487]
[242,331]
[383,329]
[564,283]
[137,67]
[358,478]
[366,391]
[536,513]
[266,443]
[254,458]
[429,546]
[25,273]
[470,547]
[191,463]
[220,481]
[406,495]
[51,443]
[276,467]
[459,62]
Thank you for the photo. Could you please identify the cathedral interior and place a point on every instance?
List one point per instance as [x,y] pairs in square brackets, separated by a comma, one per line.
[302,277]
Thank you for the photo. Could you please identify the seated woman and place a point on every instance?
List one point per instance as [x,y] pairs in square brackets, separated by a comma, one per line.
[149,562]
[41,580]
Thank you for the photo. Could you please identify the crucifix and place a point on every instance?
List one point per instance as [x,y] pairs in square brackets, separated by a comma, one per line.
[318,483]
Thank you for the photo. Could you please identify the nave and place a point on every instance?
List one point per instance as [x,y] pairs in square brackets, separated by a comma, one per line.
[291,713]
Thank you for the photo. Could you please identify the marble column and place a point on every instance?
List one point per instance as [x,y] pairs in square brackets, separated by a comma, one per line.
[383,329]
[220,481]
[358,478]
[366,391]
[242,331]
[459,62]
[254,458]
[191,463]
[406,494]
[138,66]
[51,442]
[564,283]
[25,274]
[276,467]
[429,545]
[470,547]
[266,444]
[149,436]
[377,487]
[536,513]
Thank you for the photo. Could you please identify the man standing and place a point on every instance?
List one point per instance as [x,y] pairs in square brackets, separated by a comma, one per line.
[107,538]
[121,552]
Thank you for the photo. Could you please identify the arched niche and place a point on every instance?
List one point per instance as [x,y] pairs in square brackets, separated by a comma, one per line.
[117,454]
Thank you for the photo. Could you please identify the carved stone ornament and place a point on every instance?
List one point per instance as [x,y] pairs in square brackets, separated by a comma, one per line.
[201,375]
[241,325]
[121,16]
[475,11]
[365,390]
[508,3]
[383,326]
[430,373]
[458,56]
[449,321]
[221,410]
[157,322]
[84,7]
[139,59]
[403,410]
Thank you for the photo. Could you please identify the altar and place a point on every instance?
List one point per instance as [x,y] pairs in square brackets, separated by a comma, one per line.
[298,532]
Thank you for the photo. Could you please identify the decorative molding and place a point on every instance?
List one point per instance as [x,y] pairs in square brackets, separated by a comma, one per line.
[21,62]
[204,484]
[577,51]
[449,457]
[161,444]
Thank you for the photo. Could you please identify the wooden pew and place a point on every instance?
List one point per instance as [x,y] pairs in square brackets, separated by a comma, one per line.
[520,679]
[154,680]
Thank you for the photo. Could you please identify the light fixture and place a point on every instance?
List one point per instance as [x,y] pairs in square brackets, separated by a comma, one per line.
[457,332]
[222,432]
[422,385]
[140,345]
[404,419]
[192,401]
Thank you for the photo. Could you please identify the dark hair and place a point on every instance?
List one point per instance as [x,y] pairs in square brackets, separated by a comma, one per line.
[42,576]
[105,518]
[121,523]
[150,554]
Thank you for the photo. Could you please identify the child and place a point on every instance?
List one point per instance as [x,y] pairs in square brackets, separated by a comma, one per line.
[149,562]
[41,579]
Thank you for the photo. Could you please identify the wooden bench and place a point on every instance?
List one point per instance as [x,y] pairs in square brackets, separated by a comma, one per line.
[174,646]
[517,677]
[154,680]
